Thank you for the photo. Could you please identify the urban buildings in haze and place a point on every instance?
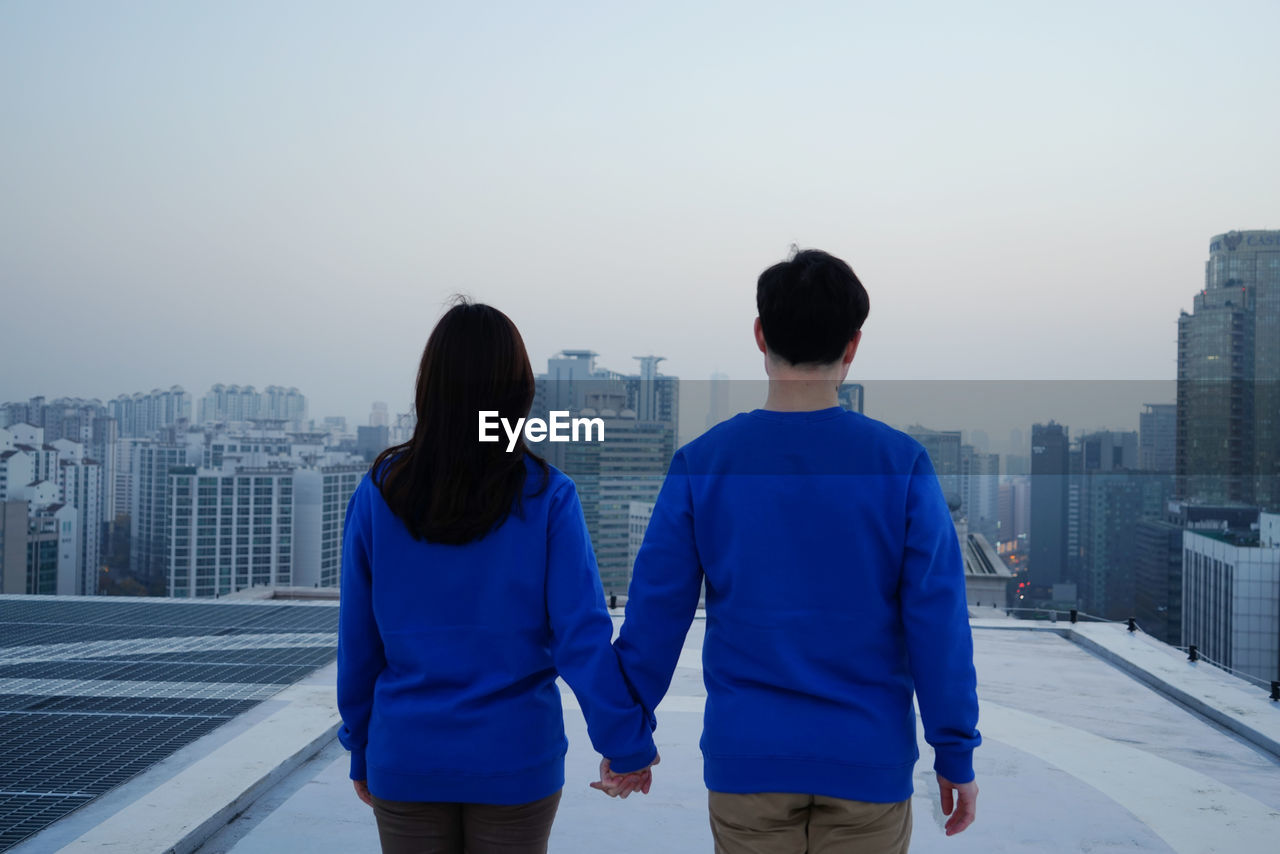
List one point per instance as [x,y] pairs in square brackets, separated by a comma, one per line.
[1159,557]
[233,404]
[620,476]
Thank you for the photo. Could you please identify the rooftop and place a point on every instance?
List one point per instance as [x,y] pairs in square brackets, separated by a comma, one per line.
[1094,739]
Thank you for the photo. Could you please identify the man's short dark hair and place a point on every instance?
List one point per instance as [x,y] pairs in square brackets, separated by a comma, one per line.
[810,307]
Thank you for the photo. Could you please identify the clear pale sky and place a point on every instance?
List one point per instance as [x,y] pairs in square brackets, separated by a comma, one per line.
[286,192]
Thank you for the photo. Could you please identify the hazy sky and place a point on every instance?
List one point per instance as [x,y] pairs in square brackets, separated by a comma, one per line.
[285,193]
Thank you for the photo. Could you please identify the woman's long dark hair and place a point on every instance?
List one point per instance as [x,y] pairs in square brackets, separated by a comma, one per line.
[446,485]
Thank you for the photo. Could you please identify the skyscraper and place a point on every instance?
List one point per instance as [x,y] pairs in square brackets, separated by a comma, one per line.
[1228,416]
[1049,469]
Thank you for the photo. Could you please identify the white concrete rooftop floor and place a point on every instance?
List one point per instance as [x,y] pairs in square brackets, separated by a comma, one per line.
[1077,756]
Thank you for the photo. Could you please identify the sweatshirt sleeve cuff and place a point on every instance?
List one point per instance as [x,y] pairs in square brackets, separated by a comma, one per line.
[634,762]
[358,770]
[955,766]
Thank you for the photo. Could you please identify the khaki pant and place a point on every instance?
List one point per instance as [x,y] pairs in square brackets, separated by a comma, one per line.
[407,827]
[773,823]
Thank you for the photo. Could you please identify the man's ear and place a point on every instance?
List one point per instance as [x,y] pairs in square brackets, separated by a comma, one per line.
[760,337]
[851,348]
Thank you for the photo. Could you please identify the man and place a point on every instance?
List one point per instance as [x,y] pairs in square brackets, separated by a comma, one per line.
[834,589]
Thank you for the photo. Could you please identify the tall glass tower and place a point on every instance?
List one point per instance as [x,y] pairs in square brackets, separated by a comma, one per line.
[1228,420]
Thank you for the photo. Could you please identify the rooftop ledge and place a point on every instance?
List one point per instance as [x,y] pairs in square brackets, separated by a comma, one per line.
[275,778]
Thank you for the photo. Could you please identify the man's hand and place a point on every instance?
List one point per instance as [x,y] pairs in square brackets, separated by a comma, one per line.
[963,797]
[622,785]
[362,791]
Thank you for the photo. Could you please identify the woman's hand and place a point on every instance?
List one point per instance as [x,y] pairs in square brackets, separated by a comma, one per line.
[621,785]
[362,791]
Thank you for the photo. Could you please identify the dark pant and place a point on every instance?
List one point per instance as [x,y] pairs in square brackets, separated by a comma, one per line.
[408,827]
[771,823]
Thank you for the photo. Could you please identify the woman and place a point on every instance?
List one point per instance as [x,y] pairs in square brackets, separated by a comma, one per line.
[468,584]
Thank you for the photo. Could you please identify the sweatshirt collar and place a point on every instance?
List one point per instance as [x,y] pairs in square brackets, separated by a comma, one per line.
[797,417]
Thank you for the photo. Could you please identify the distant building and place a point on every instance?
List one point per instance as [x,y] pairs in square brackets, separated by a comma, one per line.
[1231,599]
[229,530]
[980,490]
[850,396]
[60,493]
[379,415]
[943,447]
[719,394]
[574,382]
[320,502]
[1050,450]
[1228,435]
[141,415]
[238,405]
[373,440]
[13,546]
[654,396]
[81,485]
[613,476]
[1107,498]
[1158,560]
[52,549]
[262,508]
[641,414]
[638,515]
[1015,508]
[152,508]
[1113,505]
[1158,437]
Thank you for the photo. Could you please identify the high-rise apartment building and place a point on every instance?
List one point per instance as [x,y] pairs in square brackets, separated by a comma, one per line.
[60,492]
[218,511]
[1228,416]
[80,484]
[320,496]
[239,405]
[142,415]
[228,529]
[152,508]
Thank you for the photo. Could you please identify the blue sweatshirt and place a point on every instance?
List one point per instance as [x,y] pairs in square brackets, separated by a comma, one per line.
[834,590]
[448,654]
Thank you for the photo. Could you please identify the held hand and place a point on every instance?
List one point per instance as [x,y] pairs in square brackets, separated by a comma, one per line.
[622,785]
[963,797]
[362,791]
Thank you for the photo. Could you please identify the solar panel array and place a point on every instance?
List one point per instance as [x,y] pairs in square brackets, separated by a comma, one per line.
[96,690]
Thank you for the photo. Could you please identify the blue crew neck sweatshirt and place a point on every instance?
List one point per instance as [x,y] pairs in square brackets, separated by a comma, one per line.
[834,592]
[448,654]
